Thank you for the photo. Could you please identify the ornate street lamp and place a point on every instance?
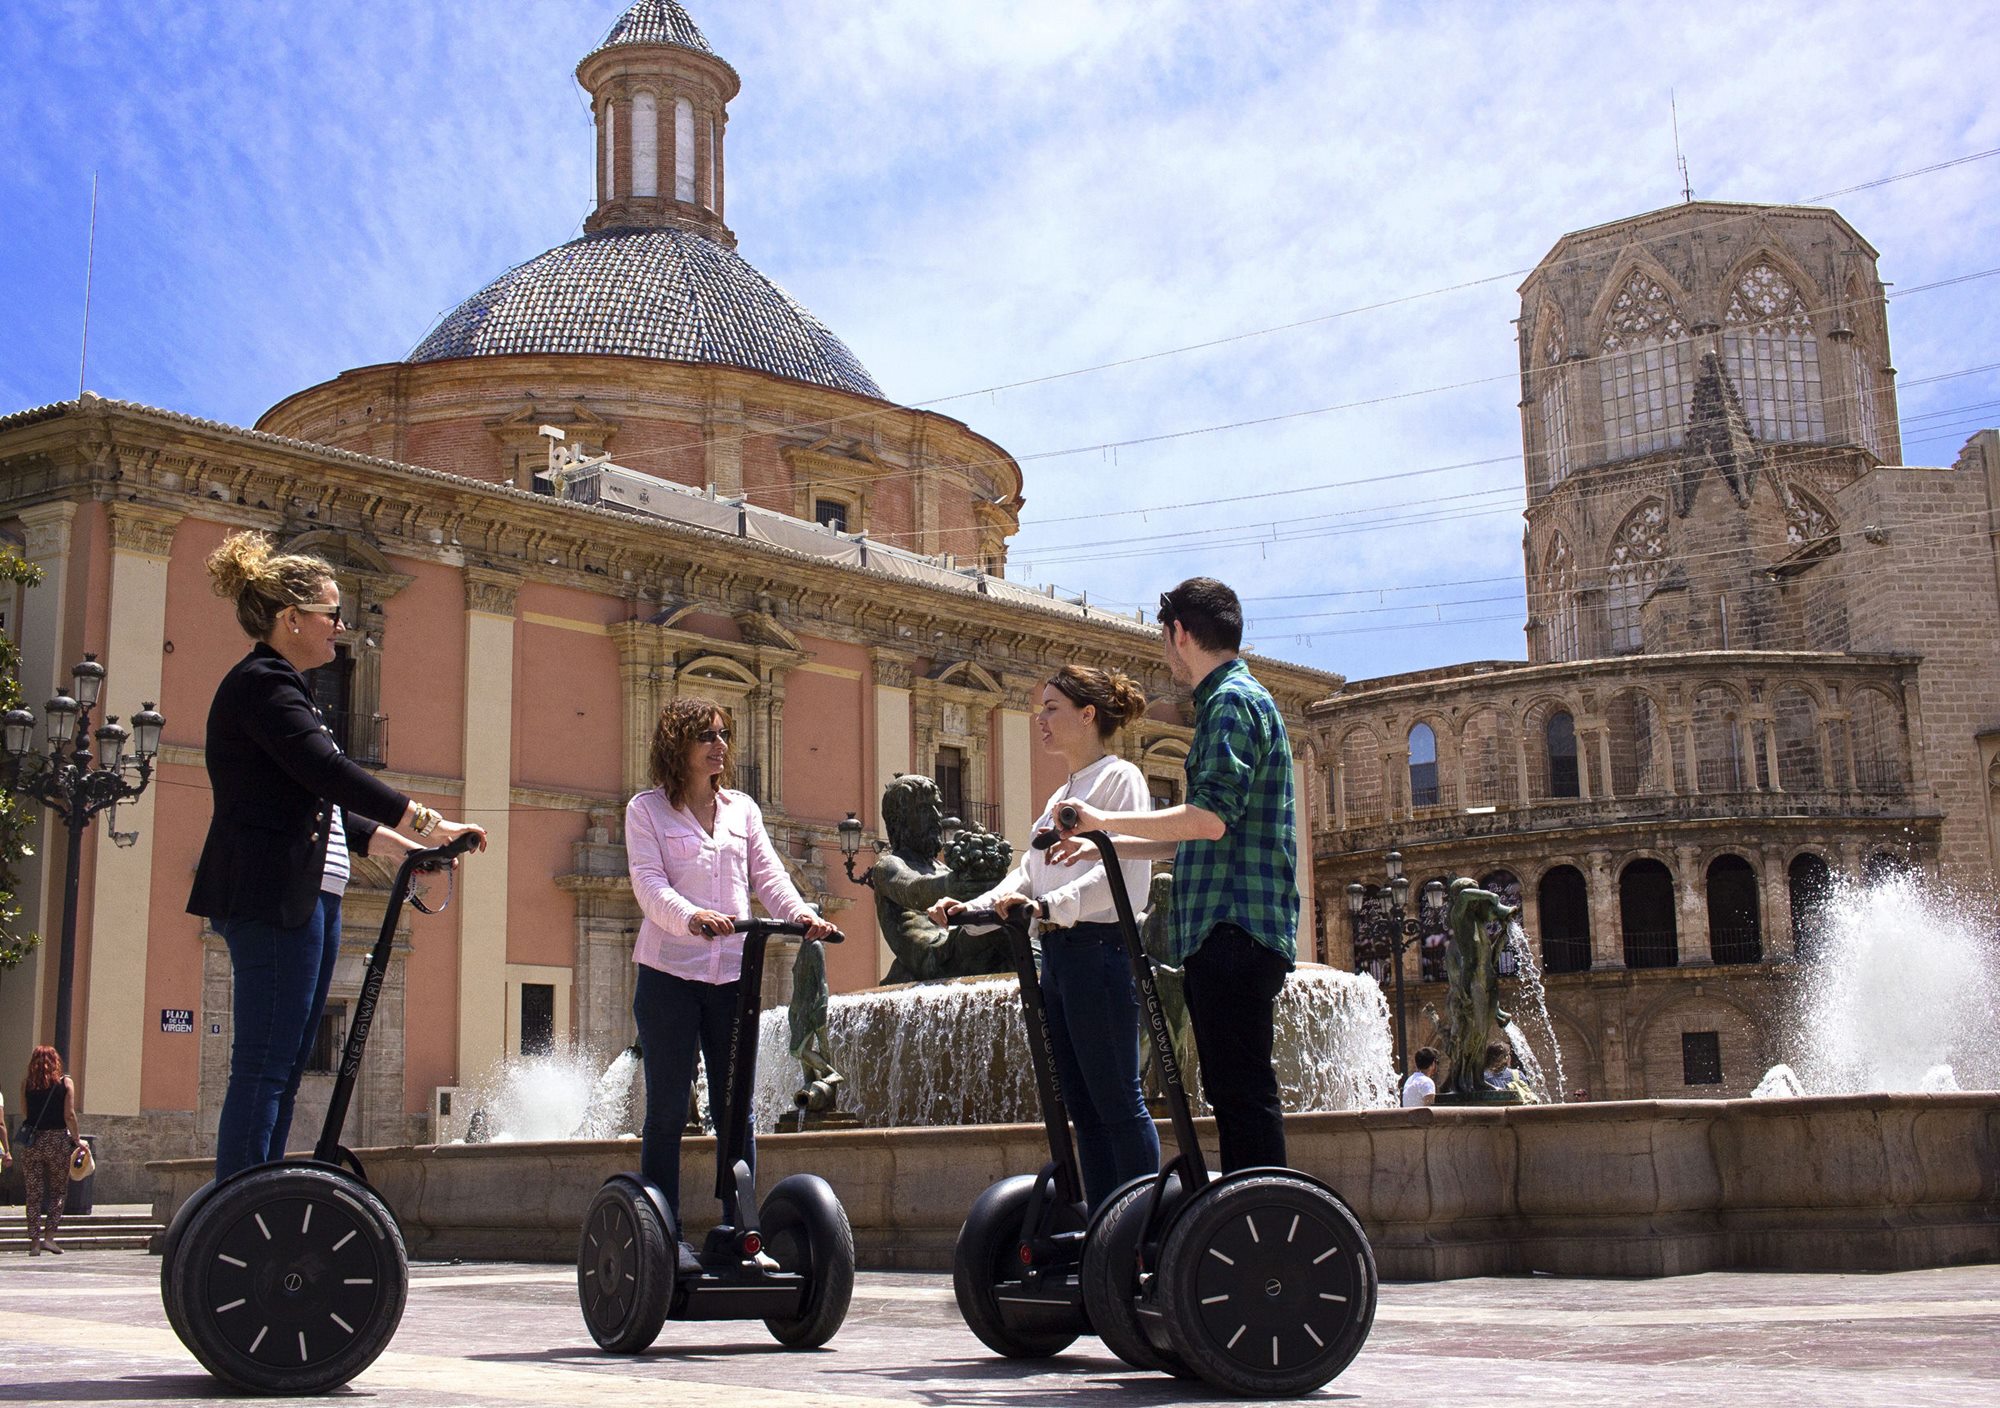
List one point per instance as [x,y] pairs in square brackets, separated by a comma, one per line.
[1383,925]
[851,832]
[76,786]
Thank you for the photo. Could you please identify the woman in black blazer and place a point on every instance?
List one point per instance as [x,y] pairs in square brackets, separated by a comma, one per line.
[289,807]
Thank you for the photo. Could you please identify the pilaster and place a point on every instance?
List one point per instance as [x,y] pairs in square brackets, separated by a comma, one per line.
[488,765]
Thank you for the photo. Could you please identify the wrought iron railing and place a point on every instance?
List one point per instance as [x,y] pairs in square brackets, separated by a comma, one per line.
[1651,948]
[981,816]
[1884,777]
[1736,943]
[1565,954]
[363,737]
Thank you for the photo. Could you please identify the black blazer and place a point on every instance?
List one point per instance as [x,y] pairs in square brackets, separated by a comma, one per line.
[277,774]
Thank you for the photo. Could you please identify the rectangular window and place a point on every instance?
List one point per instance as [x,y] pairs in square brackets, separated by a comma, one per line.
[328,1040]
[951,781]
[830,513]
[1701,1058]
[332,687]
[538,1018]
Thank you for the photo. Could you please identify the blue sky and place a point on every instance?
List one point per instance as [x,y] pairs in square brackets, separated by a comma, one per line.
[975,195]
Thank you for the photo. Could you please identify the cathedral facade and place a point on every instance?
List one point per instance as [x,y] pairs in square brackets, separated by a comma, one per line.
[1763,654]
[826,564]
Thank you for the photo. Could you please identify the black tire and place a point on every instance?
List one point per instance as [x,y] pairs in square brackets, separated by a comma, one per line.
[1268,1285]
[986,1258]
[1111,1277]
[625,1265]
[287,1280]
[170,1243]
[805,1230]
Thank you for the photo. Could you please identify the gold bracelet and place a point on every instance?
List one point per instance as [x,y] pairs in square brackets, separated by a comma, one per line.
[426,820]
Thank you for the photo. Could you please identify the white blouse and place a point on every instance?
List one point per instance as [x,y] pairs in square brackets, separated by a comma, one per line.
[1080,894]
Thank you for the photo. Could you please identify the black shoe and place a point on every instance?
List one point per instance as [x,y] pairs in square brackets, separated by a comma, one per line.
[687,1260]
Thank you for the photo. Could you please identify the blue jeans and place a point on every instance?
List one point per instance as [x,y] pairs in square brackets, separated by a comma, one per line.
[1093,1012]
[675,1016]
[281,980]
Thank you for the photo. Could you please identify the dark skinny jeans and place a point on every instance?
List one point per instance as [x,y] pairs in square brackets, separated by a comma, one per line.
[677,1016]
[1232,991]
[1093,1014]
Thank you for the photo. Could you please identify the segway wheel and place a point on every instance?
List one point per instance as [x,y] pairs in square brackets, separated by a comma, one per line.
[170,1244]
[806,1231]
[1268,1285]
[287,1280]
[986,1259]
[625,1266]
[1111,1278]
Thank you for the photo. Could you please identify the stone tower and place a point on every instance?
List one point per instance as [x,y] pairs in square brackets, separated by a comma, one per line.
[1696,386]
[660,99]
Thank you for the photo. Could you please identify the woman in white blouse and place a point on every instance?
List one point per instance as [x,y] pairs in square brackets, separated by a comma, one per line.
[1087,988]
[696,851]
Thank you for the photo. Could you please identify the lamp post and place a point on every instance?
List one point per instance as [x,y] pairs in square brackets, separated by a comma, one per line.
[76,785]
[850,846]
[1383,924]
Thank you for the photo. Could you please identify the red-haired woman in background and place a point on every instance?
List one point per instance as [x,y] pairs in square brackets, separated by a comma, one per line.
[48,1130]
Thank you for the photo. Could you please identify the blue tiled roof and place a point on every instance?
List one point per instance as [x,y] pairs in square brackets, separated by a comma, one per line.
[656,22]
[664,293]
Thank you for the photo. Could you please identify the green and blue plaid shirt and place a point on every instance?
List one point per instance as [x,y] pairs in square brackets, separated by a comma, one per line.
[1239,767]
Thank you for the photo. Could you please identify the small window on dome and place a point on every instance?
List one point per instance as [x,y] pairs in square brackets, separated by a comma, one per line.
[684,150]
[645,145]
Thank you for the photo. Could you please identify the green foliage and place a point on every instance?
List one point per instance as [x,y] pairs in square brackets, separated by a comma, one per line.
[15,814]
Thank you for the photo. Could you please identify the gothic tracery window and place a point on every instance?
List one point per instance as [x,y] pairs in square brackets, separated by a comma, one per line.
[1631,572]
[1867,419]
[1806,519]
[1559,606]
[1645,372]
[1553,403]
[1773,357]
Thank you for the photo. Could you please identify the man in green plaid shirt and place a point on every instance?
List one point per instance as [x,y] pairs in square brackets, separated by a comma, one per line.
[1235,850]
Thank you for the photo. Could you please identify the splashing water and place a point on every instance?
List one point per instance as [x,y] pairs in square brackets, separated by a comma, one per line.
[1902,994]
[1531,1010]
[559,1095]
[1781,1082]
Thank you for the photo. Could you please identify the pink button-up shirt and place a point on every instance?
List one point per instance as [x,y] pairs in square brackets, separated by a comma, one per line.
[677,868]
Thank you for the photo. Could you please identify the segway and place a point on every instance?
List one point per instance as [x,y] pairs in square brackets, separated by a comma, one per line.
[789,1263]
[290,1277]
[1260,1282]
[1014,1271]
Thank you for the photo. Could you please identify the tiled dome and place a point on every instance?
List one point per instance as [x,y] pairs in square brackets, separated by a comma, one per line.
[656,22]
[665,293]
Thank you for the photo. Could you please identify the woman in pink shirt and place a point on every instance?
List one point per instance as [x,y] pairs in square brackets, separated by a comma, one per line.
[697,852]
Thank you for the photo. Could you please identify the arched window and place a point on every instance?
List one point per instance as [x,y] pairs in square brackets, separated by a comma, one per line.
[1559,606]
[1773,357]
[611,151]
[1810,881]
[684,150]
[1560,735]
[1646,915]
[1735,933]
[1866,422]
[1631,573]
[1645,370]
[1553,403]
[708,166]
[1564,907]
[645,145]
[1881,867]
[1423,766]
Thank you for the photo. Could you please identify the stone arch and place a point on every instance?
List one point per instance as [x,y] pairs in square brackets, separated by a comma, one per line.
[1860,357]
[1648,904]
[1735,909]
[967,675]
[1770,346]
[1720,761]
[1795,715]
[1636,732]
[1427,786]
[1880,739]
[1659,1043]
[1364,798]
[1562,904]
[1164,761]
[1809,886]
[1487,756]
[1552,774]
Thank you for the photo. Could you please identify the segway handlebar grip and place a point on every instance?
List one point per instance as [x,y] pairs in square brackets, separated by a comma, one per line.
[988,915]
[438,857]
[773,926]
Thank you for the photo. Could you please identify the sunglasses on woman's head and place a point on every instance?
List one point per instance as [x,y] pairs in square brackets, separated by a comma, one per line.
[316,610]
[712,735]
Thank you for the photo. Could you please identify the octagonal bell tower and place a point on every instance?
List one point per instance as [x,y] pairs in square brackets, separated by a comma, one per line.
[660,99]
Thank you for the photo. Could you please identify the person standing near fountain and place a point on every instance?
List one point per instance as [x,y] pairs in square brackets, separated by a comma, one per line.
[289,809]
[1088,995]
[1235,849]
[696,850]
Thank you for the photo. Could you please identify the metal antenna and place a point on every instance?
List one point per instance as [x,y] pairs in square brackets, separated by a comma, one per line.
[89,267]
[1687,190]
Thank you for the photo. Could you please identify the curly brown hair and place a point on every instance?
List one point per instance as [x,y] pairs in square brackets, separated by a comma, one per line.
[45,1068]
[1117,699]
[680,720]
[262,581]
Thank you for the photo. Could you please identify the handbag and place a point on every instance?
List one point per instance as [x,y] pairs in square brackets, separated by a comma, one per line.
[24,1136]
[82,1163]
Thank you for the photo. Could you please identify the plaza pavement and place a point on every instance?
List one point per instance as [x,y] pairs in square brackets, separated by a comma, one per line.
[88,1328]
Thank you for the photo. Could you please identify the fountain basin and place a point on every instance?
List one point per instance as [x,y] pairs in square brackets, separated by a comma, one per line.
[1618,1188]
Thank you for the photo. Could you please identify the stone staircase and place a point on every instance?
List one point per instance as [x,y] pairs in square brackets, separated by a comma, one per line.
[112,1227]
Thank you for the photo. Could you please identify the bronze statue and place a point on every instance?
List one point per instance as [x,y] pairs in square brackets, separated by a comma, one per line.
[1477,922]
[911,876]
[807,1015]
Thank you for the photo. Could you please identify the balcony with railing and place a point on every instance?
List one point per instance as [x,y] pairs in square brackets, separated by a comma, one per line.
[363,737]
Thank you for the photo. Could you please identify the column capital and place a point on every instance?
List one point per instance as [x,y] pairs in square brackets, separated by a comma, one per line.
[491,592]
[143,528]
[893,670]
[47,528]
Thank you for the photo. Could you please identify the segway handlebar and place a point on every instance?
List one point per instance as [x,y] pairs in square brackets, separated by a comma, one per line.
[777,926]
[438,857]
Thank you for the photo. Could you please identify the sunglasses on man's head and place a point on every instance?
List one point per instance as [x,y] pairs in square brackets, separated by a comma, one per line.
[1167,610]
[712,735]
